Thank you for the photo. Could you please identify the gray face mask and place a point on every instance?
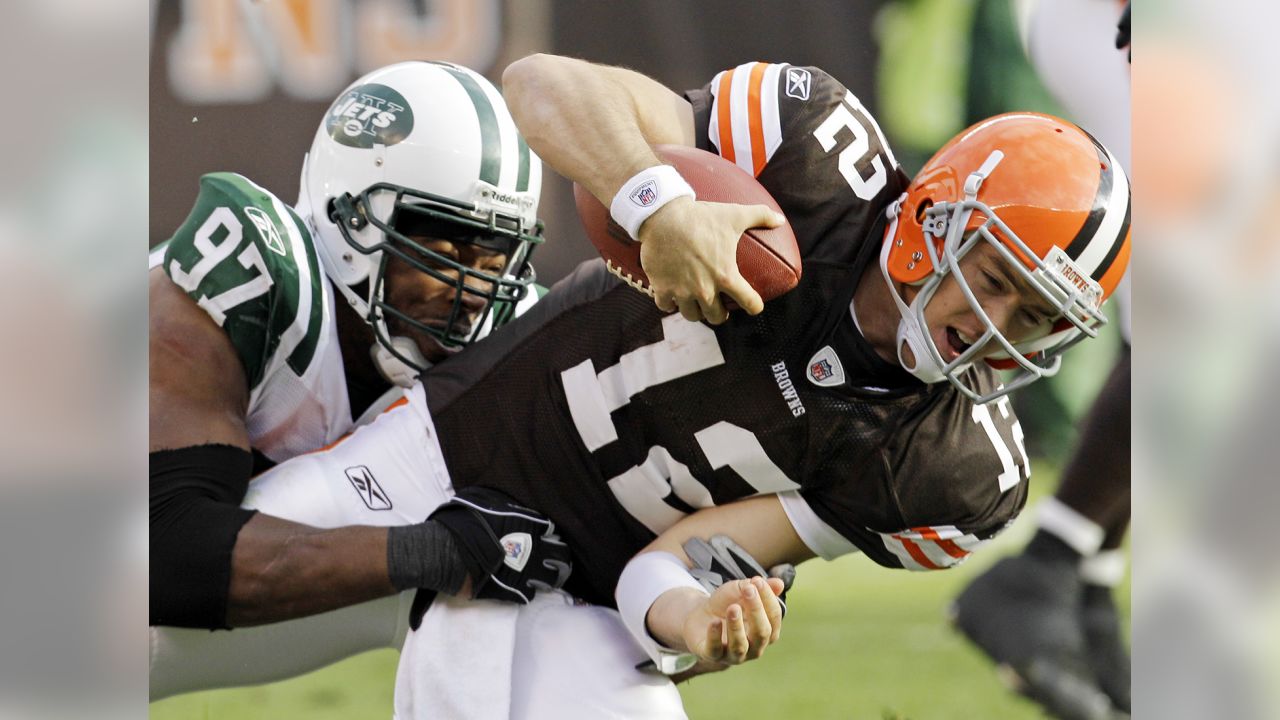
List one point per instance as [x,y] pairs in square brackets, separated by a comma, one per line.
[912,332]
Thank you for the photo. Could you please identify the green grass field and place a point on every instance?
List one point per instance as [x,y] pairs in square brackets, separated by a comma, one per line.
[859,642]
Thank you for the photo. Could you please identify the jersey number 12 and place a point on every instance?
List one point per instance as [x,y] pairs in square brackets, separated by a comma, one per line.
[686,348]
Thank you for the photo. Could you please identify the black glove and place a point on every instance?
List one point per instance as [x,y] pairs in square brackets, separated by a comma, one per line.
[721,560]
[510,551]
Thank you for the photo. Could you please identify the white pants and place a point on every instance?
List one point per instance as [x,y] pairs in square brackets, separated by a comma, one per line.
[565,660]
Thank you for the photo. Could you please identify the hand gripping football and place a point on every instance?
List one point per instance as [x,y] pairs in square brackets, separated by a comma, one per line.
[768,258]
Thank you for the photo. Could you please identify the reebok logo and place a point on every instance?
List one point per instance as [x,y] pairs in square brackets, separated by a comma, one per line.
[266,230]
[789,394]
[798,82]
[374,497]
[516,547]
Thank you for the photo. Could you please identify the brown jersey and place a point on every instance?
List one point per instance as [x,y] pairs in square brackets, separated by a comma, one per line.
[616,420]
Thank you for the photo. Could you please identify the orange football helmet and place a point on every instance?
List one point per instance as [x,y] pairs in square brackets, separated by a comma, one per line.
[1056,205]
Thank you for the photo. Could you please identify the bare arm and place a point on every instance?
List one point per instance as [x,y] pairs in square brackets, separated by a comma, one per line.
[736,622]
[758,524]
[198,396]
[198,393]
[595,124]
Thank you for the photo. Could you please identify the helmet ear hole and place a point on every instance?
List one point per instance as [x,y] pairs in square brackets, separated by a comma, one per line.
[921,209]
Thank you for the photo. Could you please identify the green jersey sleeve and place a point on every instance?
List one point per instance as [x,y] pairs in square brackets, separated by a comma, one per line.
[249,261]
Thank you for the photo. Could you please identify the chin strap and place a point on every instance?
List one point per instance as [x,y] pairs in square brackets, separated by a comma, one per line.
[392,368]
[911,330]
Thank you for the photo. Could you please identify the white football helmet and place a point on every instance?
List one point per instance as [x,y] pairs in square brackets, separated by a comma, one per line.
[430,145]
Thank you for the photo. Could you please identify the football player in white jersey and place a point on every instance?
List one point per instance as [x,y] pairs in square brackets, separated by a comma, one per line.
[275,330]
[418,208]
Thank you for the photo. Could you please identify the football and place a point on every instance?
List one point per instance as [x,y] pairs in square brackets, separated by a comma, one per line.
[768,258]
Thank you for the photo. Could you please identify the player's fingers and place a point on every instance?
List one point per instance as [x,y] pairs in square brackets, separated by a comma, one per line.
[776,584]
[772,607]
[737,287]
[690,309]
[665,302]
[714,648]
[756,618]
[736,642]
[714,310]
[760,216]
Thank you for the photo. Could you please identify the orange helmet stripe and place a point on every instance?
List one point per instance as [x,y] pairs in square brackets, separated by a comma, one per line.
[1102,217]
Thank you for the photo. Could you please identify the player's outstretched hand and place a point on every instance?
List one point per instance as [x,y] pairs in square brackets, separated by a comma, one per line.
[736,622]
[689,250]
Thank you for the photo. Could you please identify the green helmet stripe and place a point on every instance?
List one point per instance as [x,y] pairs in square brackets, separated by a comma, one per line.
[522,180]
[491,152]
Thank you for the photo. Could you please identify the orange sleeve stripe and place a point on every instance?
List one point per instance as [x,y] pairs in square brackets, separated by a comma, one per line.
[754,119]
[947,546]
[724,116]
[953,549]
[917,554]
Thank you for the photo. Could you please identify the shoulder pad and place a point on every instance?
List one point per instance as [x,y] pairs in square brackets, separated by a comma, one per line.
[249,261]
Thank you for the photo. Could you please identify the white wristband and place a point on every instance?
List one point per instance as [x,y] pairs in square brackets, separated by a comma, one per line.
[646,577]
[646,192]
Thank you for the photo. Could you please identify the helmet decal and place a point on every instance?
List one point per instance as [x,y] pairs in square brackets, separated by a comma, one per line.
[368,115]
[1108,212]
[491,159]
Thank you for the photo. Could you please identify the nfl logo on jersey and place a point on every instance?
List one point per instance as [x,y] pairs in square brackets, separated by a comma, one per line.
[821,370]
[825,369]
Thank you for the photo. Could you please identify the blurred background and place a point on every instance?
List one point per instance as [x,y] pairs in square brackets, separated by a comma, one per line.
[240,85]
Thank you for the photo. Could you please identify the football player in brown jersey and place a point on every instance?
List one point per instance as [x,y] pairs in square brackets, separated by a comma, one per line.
[860,412]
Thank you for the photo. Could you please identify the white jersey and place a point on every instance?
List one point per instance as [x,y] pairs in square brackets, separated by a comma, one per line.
[250,261]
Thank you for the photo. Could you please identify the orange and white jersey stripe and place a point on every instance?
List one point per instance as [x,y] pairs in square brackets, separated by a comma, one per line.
[931,548]
[745,125]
